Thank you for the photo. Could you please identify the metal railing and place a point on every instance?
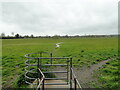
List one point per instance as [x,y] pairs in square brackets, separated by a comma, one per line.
[41,80]
[75,81]
[39,68]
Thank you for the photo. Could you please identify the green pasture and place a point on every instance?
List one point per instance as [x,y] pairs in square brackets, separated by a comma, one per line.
[109,75]
[84,51]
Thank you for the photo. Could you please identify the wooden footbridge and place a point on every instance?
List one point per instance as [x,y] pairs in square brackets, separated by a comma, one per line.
[40,72]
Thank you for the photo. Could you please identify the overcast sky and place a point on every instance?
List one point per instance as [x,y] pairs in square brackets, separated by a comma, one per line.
[61,17]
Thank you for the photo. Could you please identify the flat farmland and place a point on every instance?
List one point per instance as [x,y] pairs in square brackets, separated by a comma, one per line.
[84,51]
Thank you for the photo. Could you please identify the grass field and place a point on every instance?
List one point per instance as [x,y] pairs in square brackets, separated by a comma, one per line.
[109,75]
[84,51]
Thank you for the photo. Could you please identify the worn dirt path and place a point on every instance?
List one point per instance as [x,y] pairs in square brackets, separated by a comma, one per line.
[85,74]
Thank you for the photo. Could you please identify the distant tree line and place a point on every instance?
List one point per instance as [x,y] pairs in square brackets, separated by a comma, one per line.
[18,36]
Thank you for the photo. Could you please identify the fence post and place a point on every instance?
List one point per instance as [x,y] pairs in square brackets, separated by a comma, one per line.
[38,84]
[71,73]
[38,66]
[75,83]
[67,70]
[40,62]
[43,85]
[51,58]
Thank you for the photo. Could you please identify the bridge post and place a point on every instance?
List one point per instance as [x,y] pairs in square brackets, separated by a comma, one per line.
[43,84]
[75,84]
[51,58]
[38,66]
[70,74]
[68,61]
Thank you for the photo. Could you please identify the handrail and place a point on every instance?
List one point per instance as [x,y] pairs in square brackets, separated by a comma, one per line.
[41,77]
[76,80]
[41,73]
[41,82]
[30,57]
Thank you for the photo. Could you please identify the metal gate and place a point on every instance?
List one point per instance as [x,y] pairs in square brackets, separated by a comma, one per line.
[39,68]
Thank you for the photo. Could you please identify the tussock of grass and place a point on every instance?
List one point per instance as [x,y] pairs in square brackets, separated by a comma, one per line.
[109,75]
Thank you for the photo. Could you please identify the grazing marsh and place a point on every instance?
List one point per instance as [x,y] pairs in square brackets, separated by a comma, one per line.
[84,51]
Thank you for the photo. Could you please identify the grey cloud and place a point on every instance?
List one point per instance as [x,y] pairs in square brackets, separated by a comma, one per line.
[62,16]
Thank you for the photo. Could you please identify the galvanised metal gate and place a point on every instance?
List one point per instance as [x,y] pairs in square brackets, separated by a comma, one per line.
[37,65]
